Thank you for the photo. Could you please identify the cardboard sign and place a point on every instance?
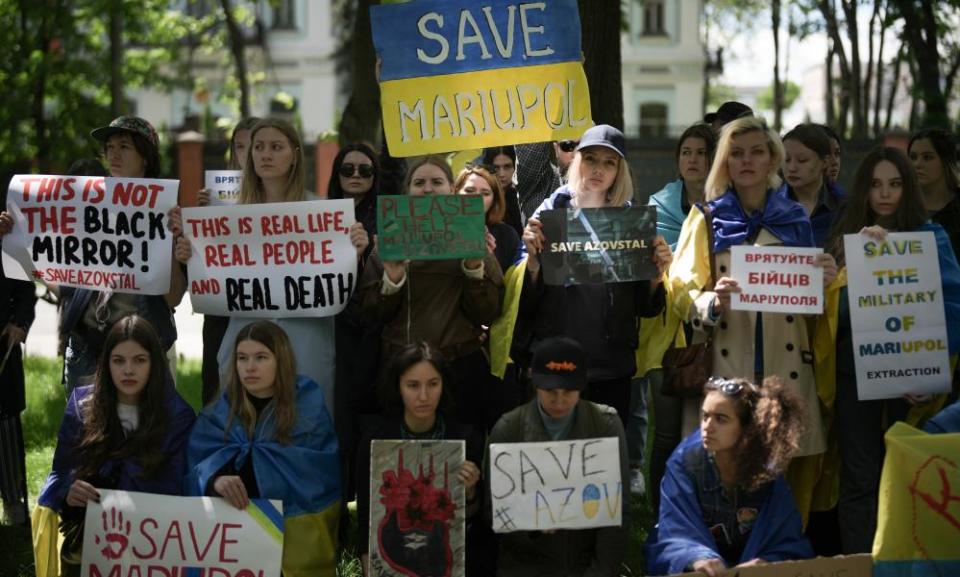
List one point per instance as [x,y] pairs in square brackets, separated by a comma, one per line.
[287,259]
[91,232]
[224,186]
[918,522]
[431,227]
[840,566]
[417,517]
[777,279]
[556,485]
[462,74]
[897,315]
[597,245]
[142,534]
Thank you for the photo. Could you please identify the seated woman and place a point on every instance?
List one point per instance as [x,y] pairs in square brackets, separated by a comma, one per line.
[269,436]
[724,500]
[127,431]
[416,400]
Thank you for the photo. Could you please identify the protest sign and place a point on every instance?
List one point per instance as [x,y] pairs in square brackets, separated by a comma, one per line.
[283,259]
[840,566]
[595,245]
[918,521]
[431,227]
[897,315]
[224,186]
[131,534]
[462,74]
[417,518]
[91,232]
[572,484]
[777,279]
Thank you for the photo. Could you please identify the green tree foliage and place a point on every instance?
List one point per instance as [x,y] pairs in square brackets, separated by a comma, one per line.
[56,70]
[791,91]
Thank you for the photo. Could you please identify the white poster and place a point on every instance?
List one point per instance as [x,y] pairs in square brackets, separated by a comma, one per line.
[897,315]
[777,279]
[285,259]
[91,232]
[571,484]
[224,186]
[130,533]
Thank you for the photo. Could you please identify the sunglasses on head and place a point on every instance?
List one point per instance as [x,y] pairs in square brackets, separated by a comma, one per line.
[728,387]
[568,145]
[347,170]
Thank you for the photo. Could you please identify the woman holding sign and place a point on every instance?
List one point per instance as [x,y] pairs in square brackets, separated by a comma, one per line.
[131,150]
[415,398]
[444,302]
[748,206]
[604,317]
[477,180]
[214,326]
[269,436]
[274,172]
[724,500]
[885,197]
[127,431]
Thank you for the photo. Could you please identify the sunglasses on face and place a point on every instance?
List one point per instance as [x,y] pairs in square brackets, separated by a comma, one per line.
[347,170]
[568,145]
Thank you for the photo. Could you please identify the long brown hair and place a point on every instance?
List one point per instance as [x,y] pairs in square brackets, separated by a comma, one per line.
[858,214]
[102,438]
[284,385]
[251,189]
[771,424]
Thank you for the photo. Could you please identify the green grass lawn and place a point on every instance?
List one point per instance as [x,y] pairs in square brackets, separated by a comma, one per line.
[41,421]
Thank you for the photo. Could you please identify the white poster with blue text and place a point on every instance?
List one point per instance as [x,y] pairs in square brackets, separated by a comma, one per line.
[897,315]
[571,484]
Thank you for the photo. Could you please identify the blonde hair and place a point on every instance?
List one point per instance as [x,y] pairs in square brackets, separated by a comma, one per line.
[718,181]
[251,191]
[284,384]
[619,193]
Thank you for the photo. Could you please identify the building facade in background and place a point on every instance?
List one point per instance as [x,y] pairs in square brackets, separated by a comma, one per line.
[663,67]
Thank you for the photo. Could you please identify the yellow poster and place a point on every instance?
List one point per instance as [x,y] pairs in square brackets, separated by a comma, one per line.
[918,526]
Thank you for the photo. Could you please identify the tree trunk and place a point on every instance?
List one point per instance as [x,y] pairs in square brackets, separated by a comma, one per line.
[777,85]
[237,44]
[878,87]
[868,79]
[829,11]
[920,31]
[894,86]
[40,90]
[853,80]
[830,105]
[117,103]
[361,117]
[600,26]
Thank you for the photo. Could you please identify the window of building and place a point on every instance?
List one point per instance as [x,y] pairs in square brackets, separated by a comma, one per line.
[653,14]
[653,120]
[285,15]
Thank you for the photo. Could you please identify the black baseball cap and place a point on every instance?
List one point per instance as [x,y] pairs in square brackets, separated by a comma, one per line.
[559,363]
[728,112]
[606,136]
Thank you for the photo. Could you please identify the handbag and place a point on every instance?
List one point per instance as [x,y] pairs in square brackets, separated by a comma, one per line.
[686,370]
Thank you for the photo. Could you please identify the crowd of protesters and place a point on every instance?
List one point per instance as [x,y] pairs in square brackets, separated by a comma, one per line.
[739,474]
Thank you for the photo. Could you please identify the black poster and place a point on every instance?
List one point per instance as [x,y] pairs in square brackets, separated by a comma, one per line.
[598,245]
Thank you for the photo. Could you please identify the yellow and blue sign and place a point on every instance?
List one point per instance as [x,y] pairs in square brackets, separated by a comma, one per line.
[462,74]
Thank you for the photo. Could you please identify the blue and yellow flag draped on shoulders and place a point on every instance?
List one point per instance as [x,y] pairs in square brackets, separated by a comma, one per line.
[464,74]
[305,473]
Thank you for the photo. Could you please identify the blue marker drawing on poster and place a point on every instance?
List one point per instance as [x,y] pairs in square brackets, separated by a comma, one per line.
[432,37]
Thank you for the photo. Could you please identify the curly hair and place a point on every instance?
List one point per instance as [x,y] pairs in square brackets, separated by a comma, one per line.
[771,422]
[102,439]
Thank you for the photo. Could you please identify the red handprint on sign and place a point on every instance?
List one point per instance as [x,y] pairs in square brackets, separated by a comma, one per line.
[117,535]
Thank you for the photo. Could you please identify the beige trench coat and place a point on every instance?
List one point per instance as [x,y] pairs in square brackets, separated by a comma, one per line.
[787,348]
